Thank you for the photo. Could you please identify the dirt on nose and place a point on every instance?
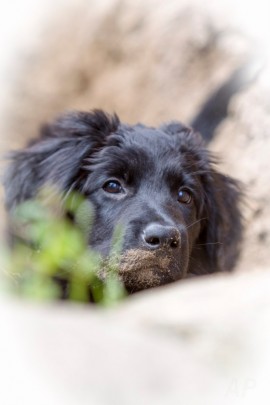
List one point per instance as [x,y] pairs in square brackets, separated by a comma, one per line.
[138,259]
[140,269]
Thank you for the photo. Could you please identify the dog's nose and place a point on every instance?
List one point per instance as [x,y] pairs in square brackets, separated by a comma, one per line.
[156,236]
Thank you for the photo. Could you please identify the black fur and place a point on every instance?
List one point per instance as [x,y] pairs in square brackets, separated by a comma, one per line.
[165,238]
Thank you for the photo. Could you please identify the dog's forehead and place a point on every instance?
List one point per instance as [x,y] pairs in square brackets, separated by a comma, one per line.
[153,139]
[146,151]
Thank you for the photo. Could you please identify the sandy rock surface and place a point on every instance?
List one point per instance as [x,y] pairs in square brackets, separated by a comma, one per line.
[243,140]
[148,61]
[191,343]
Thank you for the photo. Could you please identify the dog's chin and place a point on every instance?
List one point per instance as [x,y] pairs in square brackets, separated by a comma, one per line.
[140,269]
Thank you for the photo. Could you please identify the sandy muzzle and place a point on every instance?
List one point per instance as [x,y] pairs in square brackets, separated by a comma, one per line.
[140,269]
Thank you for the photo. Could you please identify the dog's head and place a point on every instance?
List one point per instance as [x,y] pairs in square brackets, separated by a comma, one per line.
[179,214]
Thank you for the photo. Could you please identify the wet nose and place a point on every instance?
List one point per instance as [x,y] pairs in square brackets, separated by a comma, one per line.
[156,236]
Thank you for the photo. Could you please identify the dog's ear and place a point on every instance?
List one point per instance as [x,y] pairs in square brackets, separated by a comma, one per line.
[222,233]
[187,139]
[57,156]
[175,127]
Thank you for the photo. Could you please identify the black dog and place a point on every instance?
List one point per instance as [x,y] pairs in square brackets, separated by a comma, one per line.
[179,214]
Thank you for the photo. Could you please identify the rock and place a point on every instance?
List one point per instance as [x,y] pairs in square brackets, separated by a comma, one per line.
[244,141]
[192,342]
[148,61]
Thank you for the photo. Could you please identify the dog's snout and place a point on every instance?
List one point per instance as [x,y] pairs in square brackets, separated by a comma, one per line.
[156,236]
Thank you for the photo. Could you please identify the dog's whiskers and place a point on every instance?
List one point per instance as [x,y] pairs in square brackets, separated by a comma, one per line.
[208,243]
[195,222]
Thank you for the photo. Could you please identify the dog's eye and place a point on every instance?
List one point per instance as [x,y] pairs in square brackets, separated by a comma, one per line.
[113,187]
[184,196]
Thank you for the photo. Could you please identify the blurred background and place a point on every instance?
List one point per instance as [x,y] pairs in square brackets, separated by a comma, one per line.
[149,61]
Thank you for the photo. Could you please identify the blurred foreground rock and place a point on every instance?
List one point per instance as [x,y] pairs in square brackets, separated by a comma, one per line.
[204,342]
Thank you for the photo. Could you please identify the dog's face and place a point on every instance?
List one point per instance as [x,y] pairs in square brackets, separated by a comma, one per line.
[142,181]
[159,185]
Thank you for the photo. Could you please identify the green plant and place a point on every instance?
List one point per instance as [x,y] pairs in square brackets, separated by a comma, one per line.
[50,248]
